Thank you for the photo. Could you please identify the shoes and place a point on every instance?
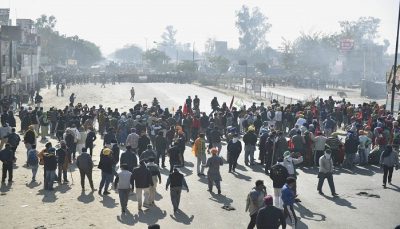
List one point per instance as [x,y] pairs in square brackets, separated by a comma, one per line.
[99,192]
[146,205]
[384,186]
[219,191]
[210,190]
[106,193]
[334,194]
[390,183]
[297,200]
[321,193]
[140,209]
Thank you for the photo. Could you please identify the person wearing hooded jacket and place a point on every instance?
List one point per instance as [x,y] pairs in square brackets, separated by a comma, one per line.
[250,141]
[326,171]
[106,167]
[278,175]
[50,165]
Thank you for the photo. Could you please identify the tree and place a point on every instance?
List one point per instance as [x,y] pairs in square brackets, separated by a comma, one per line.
[187,66]
[129,53]
[288,55]
[252,26]
[365,28]
[156,59]
[168,36]
[219,63]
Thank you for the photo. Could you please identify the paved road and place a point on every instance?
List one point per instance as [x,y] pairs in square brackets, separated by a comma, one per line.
[28,206]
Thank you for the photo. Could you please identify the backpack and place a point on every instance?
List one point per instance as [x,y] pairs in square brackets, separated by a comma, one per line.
[32,158]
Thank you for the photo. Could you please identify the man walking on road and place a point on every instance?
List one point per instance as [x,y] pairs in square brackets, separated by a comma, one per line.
[123,181]
[288,200]
[278,175]
[213,174]
[177,181]
[326,171]
[156,177]
[270,216]
[255,200]
[142,180]
[199,151]
[85,164]
[250,141]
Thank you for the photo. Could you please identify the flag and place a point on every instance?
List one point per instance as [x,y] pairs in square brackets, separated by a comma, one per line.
[184,109]
[230,106]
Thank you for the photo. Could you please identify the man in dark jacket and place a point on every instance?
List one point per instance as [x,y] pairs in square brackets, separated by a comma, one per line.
[109,137]
[174,159]
[177,181]
[250,141]
[351,148]
[63,160]
[270,216]
[85,165]
[161,146]
[13,139]
[7,157]
[90,138]
[215,139]
[129,158]
[106,166]
[143,142]
[234,149]
[278,175]
[142,181]
[50,165]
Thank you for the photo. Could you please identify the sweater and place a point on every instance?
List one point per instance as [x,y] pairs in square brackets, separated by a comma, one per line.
[389,161]
[270,217]
[124,180]
[142,177]
[287,195]
[84,162]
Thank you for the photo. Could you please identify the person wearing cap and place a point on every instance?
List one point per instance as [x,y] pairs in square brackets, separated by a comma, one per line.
[288,198]
[156,177]
[63,161]
[85,165]
[199,151]
[124,182]
[8,159]
[270,216]
[50,165]
[254,201]
[132,140]
[213,174]
[142,180]
[147,154]
[250,141]
[234,149]
[176,180]
[106,167]
[326,171]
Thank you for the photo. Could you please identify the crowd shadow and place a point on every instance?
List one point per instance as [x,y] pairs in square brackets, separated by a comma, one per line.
[33,185]
[300,224]
[151,215]
[189,164]
[182,217]
[128,218]
[5,187]
[48,196]
[203,179]
[158,196]
[241,176]
[222,199]
[86,198]
[340,201]
[241,167]
[393,187]
[309,169]
[306,213]
[186,171]
[108,202]
[257,168]
[63,188]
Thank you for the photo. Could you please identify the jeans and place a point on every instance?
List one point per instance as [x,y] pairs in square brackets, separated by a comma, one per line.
[252,223]
[161,154]
[34,171]
[88,174]
[139,194]
[211,182]
[321,180]
[289,211]
[363,156]
[175,193]
[49,180]
[7,167]
[153,190]
[249,151]
[387,174]
[232,159]
[123,198]
[106,179]
[201,159]
[63,172]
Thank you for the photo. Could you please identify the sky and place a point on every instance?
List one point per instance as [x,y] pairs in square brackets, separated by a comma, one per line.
[111,24]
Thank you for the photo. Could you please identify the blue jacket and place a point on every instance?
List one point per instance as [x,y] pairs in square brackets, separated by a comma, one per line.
[287,195]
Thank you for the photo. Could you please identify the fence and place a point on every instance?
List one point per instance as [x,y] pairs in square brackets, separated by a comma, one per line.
[270,96]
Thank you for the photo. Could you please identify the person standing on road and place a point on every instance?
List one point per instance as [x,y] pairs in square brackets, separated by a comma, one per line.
[326,171]
[177,181]
[85,165]
[278,175]
[288,200]
[106,166]
[8,158]
[388,160]
[132,140]
[90,138]
[123,182]
[129,158]
[50,165]
[161,146]
[255,200]
[174,156]
[213,173]
[63,161]
[199,151]
[234,149]
[250,141]
[156,177]
[142,181]
[270,216]
[33,161]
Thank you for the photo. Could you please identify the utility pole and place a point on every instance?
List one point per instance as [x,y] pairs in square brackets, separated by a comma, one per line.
[395,64]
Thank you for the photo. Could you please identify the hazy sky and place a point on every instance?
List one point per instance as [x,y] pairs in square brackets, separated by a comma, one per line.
[113,23]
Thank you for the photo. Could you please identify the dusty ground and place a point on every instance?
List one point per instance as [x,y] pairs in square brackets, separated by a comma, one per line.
[25,205]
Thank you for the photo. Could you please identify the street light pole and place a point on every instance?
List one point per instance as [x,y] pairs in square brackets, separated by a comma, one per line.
[395,64]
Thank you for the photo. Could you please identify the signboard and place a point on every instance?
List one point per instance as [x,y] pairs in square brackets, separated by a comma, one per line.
[346,45]
[13,33]
[4,16]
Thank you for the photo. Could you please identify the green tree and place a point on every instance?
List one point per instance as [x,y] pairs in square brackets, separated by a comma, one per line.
[187,66]
[129,53]
[219,63]
[156,59]
[168,36]
[252,26]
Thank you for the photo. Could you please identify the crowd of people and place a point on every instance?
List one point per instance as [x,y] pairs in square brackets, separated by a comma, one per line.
[323,133]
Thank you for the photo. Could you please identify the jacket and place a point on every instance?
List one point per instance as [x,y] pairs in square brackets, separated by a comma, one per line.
[90,138]
[270,217]
[176,179]
[132,140]
[142,177]
[84,162]
[50,162]
[250,139]
[278,175]
[124,180]
[287,195]
[234,148]
[199,147]
[325,165]
[106,164]
[130,159]
[254,201]
[389,161]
